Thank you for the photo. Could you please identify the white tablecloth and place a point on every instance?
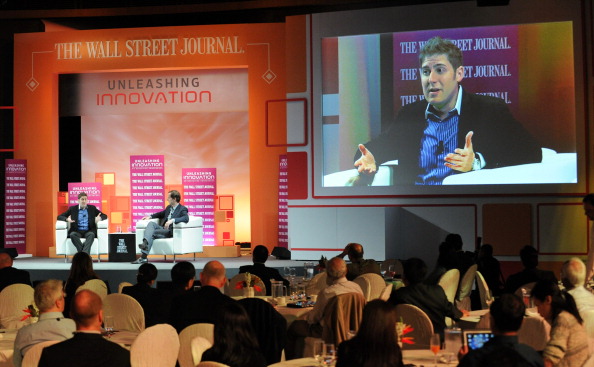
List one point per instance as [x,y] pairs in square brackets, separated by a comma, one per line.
[426,357]
[300,362]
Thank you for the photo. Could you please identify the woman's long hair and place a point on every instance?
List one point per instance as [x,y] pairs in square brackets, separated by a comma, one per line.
[81,270]
[376,339]
[560,300]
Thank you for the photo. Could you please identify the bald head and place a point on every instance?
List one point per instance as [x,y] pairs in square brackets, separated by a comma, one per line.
[573,273]
[5,260]
[355,252]
[213,274]
[86,310]
[336,268]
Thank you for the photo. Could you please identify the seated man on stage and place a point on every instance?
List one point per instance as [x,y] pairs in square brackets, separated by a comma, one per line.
[174,213]
[81,225]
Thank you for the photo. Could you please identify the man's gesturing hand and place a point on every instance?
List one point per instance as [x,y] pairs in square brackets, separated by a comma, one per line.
[462,159]
[365,164]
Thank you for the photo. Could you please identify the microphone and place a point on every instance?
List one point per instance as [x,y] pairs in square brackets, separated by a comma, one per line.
[440,148]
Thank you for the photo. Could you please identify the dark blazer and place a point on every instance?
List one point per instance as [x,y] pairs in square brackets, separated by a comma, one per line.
[151,301]
[265,273]
[85,349]
[10,275]
[498,136]
[179,215]
[526,276]
[202,306]
[73,213]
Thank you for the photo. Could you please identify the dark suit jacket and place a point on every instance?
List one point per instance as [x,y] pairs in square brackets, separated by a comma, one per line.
[526,276]
[10,275]
[151,301]
[85,349]
[73,213]
[500,138]
[202,306]
[265,273]
[179,215]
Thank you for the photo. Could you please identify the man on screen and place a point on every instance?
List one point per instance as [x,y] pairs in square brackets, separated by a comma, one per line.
[83,219]
[451,131]
[174,213]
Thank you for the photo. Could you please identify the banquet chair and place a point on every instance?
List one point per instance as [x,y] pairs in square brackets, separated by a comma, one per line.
[371,284]
[232,291]
[386,292]
[204,330]
[419,321]
[465,287]
[31,358]
[65,247]
[199,345]
[449,282]
[316,284]
[13,300]
[122,285]
[483,288]
[187,238]
[127,313]
[211,364]
[157,345]
[96,285]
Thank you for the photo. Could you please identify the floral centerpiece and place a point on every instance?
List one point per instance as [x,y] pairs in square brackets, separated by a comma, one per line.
[31,312]
[249,284]
[401,330]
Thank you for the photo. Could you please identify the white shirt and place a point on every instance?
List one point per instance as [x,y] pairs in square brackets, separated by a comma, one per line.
[340,286]
[590,263]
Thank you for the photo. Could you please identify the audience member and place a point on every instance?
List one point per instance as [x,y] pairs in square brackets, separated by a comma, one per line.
[429,298]
[531,273]
[205,305]
[235,342]
[376,343]
[10,275]
[337,283]
[259,256]
[87,347]
[446,260]
[463,259]
[81,270]
[506,315]
[573,276]
[568,343]
[183,275]
[588,204]
[149,298]
[49,298]
[490,269]
[358,265]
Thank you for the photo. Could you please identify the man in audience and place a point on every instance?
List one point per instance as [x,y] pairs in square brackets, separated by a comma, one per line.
[462,259]
[49,298]
[588,204]
[10,275]
[337,283]
[204,305]
[83,219]
[183,275]
[87,347]
[506,316]
[429,298]
[358,265]
[529,257]
[259,256]
[573,276]
[149,298]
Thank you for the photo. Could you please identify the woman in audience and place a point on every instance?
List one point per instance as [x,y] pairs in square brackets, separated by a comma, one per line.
[235,342]
[376,343]
[568,345]
[81,270]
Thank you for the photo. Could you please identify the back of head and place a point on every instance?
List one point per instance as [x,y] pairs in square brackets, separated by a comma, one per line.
[81,268]
[529,257]
[486,251]
[507,312]
[175,195]
[414,270]
[147,272]
[213,274]
[47,293]
[503,355]
[234,336]
[5,260]
[440,46]
[86,305]
[588,199]
[573,273]
[455,240]
[182,272]
[335,269]
[260,254]
[355,251]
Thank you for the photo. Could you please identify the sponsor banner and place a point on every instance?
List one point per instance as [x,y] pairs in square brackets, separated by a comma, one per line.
[147,185]
[92,189]
[200,188]
[15,207]
[283,199]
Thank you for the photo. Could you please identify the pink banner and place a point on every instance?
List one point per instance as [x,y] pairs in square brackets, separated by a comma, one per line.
[283,200]
[147,185]
[15,192]
[92,189]
[200,187]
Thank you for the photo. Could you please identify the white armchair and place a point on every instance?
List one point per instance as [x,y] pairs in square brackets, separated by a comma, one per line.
[65,247]
[187,238]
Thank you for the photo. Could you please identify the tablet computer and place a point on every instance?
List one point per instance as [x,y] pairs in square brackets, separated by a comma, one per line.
[475,339]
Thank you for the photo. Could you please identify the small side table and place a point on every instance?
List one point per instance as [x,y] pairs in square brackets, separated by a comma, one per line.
[122,247]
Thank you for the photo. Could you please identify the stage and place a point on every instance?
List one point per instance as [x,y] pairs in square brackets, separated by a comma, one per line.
[114,273]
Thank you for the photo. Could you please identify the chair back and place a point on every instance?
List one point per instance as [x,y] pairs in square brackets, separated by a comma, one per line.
[96,285]
[375,285]
[386,292]
[342,314]
[466,282]
[483,290]
[157,345]
[316,284]
[449,282]
[421,324]
[13,300]
[184,356]
[232,291]
[211,364]
[127,313]
[31,358]
[122,285]
[199,345]
[588,317]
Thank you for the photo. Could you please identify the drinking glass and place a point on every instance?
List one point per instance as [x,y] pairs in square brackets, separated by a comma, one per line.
[329,355]
[287,271]
[383,269]
[435,347]
[318,350]
[391,271]
[108,325]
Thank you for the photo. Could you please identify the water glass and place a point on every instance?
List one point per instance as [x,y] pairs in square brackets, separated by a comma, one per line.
[329,355]
[108,325]
[318,351]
